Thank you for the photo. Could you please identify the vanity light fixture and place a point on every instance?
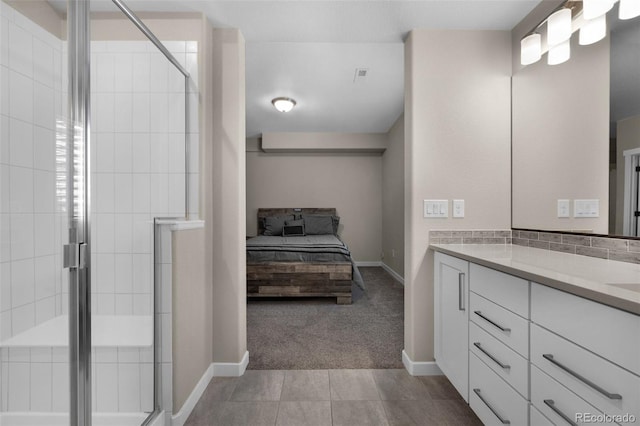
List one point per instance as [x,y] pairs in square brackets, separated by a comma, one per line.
[560,53]
[589,16]
[629,9]
[593,30]
[283,104]
[593,8]
[559,27]
[531,49]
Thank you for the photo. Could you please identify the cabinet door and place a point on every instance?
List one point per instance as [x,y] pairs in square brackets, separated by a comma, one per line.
[451,320]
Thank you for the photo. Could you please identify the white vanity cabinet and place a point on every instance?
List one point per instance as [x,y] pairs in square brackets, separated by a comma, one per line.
[524,353]
[590,350]
[451,326]
[499,346]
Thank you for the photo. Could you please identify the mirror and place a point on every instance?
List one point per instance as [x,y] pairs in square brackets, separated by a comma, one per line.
[572,125]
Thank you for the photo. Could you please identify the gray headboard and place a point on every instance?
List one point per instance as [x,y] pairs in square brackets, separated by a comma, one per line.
[262,213]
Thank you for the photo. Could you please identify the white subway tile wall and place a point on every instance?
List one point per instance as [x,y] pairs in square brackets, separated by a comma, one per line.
[138,173]
[30,253]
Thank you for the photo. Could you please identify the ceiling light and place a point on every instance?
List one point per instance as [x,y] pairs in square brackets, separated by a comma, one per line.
[594,30]
[629,9]
[530,49]
[559,27]
[594,8]
[560,53]
[283,104]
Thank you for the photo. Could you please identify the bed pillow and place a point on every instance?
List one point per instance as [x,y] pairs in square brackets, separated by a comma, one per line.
[273,224]
[319,225]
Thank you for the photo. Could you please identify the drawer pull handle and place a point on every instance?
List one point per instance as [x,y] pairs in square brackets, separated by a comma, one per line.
[498,326]
[551,404]
[461,291]
[494,359]
[578,376]
[503,421]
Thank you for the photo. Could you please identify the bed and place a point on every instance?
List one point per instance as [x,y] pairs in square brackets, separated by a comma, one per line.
[311,263]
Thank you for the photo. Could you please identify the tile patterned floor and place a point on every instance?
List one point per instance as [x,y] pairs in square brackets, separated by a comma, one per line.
[331,397]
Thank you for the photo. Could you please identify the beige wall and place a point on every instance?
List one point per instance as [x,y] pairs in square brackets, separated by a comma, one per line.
[192,314]
[223,156]
[628,138]
[323,142]
[352,183]
[393,198]
[561,136]
[457,145]
[43,14]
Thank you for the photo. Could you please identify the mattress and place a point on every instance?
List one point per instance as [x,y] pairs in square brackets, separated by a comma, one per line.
[308,248]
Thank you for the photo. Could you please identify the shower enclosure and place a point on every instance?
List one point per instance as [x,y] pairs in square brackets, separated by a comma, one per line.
[95,146]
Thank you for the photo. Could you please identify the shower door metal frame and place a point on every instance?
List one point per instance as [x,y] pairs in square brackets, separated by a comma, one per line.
[77,254]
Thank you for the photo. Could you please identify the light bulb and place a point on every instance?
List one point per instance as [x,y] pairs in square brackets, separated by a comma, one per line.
[530,49]
[629,9]
[560,53]
[594,8]
[594,30]
[283,104]
[559,27]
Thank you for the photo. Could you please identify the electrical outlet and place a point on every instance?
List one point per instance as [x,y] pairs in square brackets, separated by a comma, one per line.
[563,208]
[393,253]
[458,208]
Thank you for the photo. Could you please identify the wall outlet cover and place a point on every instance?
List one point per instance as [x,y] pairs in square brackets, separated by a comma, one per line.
[458,208]
[564,208]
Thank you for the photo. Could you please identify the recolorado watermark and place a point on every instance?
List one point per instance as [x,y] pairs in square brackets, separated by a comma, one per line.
[605,418]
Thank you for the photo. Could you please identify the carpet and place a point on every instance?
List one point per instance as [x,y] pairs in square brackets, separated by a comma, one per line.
[316,333]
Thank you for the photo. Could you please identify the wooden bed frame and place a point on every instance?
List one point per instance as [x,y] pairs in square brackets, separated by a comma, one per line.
[299,279]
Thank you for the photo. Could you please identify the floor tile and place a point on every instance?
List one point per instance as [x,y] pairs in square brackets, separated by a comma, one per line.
[409,413]
[358,413]
[234,413]
[306,385]
[353,385]
[259,385]
[457,412]
[204,413]
[439,387]
[307,413]
[219,389]
[399,385]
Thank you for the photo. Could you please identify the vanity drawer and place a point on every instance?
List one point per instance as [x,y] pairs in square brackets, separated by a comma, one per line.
[537,419]
[504,289]
[492,399]
[555,401]
[623,387]
[504,325]
[606,331]
[505,362]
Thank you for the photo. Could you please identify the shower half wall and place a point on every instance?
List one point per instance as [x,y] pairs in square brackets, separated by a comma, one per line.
[138,173]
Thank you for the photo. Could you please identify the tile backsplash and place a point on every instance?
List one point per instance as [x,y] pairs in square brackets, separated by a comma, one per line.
[470,236]
[619,249]
[594,246]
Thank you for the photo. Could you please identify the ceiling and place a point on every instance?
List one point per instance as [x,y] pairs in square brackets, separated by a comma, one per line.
[309,50]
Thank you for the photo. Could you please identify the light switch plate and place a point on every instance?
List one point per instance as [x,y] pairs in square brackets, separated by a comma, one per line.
[436,208]
[586,208]
[458,208]
[563,208]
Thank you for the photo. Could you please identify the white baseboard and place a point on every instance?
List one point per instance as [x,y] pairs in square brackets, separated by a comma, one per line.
[365,263]
[393,273]
[231,369]
[420,368]
[62,419]
[180,418]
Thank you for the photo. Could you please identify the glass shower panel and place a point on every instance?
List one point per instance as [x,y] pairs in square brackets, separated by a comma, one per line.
[34,352]
[138,171]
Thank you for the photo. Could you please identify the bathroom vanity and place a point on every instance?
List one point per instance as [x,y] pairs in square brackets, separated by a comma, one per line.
[532,336]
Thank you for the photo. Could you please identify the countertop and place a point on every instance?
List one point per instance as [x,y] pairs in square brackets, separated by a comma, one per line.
[610,282]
